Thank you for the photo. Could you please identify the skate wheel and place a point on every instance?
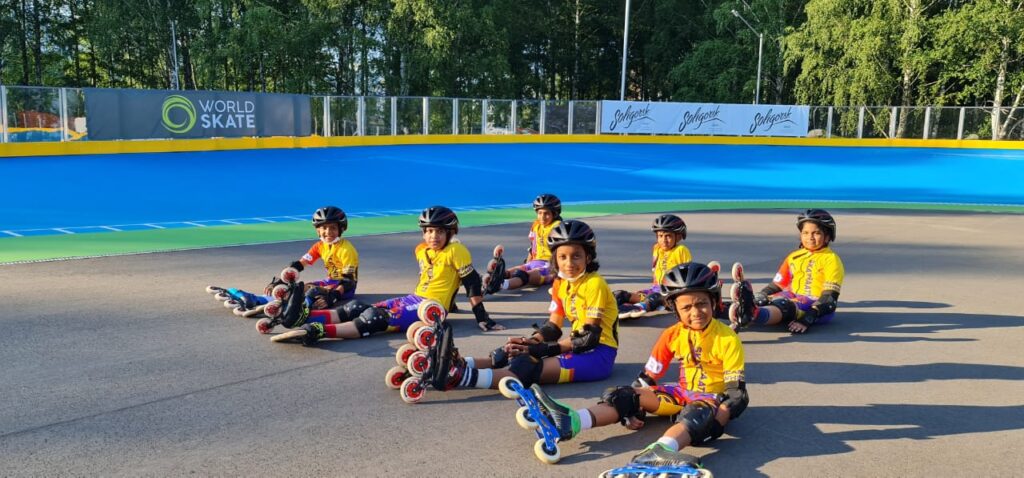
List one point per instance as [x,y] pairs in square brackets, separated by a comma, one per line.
[705,473]
[395,376]
[505,387]
[737,272]
[430,312]
[212,289]
[240,312]
[417,363]
[524,420]
[290,274]
[273,308]
[545,455]
[411,390]
[410,333]
[279,292]
[222,296]
[403,353]
[231,304]
[424,338]
[254,312]
[264,326]
[734,291]
[715,266]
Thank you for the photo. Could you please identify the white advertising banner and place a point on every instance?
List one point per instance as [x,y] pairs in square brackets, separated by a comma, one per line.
[639,117]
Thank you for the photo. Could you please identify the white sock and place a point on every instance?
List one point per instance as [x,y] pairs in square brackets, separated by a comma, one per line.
[504,285]
[669,443]
[485,377]
[470,363]
[586,419]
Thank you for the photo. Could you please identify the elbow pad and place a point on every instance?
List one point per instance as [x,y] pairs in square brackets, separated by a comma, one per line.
[586,339]
[549,332]
[473,284]
[737,399]
[826,304]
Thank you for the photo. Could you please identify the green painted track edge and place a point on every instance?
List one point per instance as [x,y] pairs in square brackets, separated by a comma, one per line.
[18,250]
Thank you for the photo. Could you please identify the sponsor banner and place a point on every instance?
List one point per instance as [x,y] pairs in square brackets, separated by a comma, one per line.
[167,114]
[638,117]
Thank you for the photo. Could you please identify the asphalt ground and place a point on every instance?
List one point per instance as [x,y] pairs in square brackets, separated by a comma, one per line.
[124,366]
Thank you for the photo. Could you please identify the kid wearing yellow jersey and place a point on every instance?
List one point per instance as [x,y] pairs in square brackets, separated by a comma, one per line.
[536,270]
[667,252]
[580,295]
[711,389]
[444,264]
[806,287]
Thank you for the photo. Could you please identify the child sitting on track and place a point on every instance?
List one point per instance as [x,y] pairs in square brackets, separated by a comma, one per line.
[711,389]
[579,294]
[535,271]
[667,252]
[806,287]
[444,264]
[338,254]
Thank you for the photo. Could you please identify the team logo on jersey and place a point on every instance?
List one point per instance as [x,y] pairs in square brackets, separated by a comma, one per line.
[654,366]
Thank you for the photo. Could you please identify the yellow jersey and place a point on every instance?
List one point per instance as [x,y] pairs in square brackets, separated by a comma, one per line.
[588,297]
[539,240]
[442,271]
[810,273]
[340,258]
[663,261]
[707,358]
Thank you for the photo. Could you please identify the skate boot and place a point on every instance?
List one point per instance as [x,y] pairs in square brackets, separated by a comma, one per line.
[743,310]
[657,460]
[495,271]
[444,366]
[243,301]
[565,419]
[651,303]
[307,334]
[628,311]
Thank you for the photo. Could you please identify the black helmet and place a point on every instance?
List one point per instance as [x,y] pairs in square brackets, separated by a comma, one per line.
[669,223]
[550,202]
[820,217]
[572,232]
[690,277]
[439,216]
[329,214]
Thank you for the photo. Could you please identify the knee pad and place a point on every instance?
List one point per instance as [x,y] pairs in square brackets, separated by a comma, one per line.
[626,402]
[699,420]
[350,310]
[372,320]
[787,307]
[527,369]
[521,275]
[621,296]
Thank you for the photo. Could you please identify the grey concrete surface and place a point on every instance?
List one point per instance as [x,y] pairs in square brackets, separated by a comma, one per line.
[124,366]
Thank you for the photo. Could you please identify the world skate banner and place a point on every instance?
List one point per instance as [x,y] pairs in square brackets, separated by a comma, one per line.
[160,114]
[638,117]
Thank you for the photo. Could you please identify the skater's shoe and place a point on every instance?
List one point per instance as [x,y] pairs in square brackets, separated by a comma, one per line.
[314,332]
[742,311]
[628,311]
[657,455]
[566,420]
[652,302]
[246,300]
[495,272]
[445,367]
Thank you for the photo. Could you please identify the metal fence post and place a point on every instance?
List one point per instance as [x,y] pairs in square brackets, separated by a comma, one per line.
[483,116]
[514,120]
[543,115]
[960,124]
[327,117]
[892,123]
[394,116]
[860,122]
[455,116]
[62,98]
[426,115]
[597,119]
[927,121]
[3,114]
[828,123]
[572,108]
[361,117]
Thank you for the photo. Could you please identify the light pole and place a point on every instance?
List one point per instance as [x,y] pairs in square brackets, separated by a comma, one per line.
[625,49]
[760,48]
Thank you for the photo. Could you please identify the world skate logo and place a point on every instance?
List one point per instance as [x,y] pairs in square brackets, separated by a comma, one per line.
[177,106]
